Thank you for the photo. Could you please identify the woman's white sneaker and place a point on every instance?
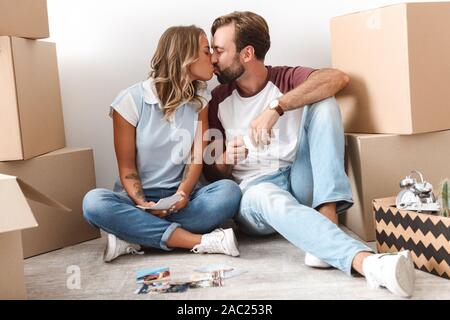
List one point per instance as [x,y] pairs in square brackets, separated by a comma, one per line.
[218,241]
[394,271]
[314,262]
[116,247]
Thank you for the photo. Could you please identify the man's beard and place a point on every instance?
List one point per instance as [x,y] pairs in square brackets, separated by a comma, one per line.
[231,73]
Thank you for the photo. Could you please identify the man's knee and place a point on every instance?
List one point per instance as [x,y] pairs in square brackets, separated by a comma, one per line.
[330,101]
[327,108]
[255,195]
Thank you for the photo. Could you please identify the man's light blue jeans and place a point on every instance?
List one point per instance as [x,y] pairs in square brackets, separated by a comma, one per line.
[116,213]
[286,201]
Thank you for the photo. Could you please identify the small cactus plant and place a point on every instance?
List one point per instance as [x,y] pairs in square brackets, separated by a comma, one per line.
[444,198]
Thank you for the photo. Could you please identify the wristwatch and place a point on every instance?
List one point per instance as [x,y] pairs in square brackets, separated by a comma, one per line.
[275,105]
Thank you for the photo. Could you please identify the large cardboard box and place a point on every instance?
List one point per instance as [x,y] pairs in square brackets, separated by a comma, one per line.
[65,175]
[426,236]
[16,215]
[24,18]
[397,58]
[376,163]
[31,118]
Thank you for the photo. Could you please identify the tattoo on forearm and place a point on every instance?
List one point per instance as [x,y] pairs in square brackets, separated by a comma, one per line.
[133,176]
[137,185]
[140,194]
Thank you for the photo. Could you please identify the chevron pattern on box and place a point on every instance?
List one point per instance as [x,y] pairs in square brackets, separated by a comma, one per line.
[426,236]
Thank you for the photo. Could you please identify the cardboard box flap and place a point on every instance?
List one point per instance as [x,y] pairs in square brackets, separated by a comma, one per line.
[15,213]
[35,195]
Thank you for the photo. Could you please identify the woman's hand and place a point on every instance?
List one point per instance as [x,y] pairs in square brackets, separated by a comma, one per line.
[157,213]
[181,204]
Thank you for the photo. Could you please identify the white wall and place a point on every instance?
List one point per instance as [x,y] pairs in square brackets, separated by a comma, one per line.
[105,46]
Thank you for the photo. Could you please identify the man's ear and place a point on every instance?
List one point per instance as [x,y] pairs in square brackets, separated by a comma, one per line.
[248,54]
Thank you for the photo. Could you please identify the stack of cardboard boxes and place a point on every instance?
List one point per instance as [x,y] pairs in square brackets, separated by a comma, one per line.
[396,109]
[32,146]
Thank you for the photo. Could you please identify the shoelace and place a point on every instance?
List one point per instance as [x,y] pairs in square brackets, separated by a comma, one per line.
[133,251]
[213,245]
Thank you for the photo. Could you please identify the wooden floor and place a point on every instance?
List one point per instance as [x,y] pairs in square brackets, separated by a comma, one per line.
[275,270]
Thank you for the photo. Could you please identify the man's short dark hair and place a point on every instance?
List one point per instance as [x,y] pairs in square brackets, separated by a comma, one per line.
[250,30]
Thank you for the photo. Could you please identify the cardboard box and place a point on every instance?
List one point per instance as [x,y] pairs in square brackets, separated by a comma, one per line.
[24,18]
[31,118]
[397,58]
[16,215]
[65,175]
[376,163]
[426,236]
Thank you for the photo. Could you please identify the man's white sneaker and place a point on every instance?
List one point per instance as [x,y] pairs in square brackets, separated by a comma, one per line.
[218,241]
[314,262]
[116,247]
[394,271]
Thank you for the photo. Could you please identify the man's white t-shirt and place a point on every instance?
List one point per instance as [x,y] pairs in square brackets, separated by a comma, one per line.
[232,114]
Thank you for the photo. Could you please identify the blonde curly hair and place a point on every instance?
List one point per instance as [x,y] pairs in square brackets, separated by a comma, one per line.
[177,49]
